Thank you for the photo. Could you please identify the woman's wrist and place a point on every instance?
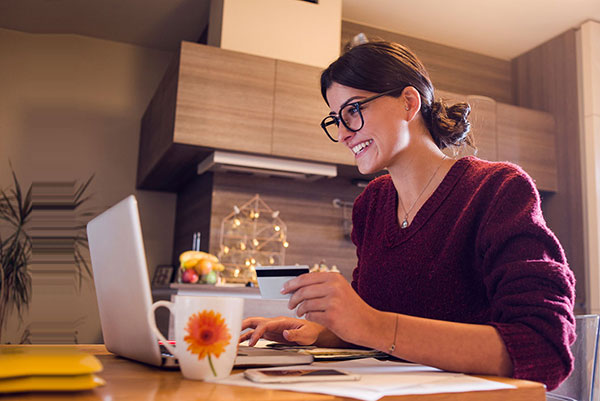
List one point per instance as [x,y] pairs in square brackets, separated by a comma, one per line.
[328,339]
[387,341]
[379,330]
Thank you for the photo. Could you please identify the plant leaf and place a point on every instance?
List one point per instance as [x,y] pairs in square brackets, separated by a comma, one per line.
[81,190]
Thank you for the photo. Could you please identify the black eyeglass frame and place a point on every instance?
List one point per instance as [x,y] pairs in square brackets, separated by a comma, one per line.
[332,119]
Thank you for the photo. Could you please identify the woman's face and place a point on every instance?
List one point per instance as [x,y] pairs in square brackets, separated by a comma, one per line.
[384,133]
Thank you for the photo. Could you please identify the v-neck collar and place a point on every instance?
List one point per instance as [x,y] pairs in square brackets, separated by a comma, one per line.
[394,235]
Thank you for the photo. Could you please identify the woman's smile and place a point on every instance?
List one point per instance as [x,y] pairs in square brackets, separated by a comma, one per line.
[360,147]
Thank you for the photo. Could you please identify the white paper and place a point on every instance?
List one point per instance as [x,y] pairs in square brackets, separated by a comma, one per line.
[379,379]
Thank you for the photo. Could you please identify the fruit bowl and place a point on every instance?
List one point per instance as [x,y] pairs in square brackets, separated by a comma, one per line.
[197,267]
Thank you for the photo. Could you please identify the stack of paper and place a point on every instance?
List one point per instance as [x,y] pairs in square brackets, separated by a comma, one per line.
[341,354]
[379,379]
[47,368]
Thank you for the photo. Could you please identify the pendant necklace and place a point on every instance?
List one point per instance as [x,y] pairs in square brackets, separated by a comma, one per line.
[404,223]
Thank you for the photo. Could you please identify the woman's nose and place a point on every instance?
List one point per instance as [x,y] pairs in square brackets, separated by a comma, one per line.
[344,133]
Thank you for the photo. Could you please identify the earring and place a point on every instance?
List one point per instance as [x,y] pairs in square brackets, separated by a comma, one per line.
[406,108]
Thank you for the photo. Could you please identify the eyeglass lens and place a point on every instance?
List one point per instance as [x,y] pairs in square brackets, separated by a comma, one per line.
[330,125]
[352,116]
[352,120]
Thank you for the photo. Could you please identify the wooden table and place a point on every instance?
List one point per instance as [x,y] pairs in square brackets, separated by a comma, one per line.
[126,380]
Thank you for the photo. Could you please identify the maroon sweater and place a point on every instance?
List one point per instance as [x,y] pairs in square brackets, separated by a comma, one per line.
[478,251]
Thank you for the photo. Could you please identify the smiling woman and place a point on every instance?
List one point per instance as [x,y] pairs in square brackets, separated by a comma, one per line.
[456,266]
[448,126]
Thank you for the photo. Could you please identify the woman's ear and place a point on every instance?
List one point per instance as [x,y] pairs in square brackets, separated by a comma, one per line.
[412,102]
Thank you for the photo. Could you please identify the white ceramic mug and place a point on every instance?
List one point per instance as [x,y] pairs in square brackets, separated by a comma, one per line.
[206,334]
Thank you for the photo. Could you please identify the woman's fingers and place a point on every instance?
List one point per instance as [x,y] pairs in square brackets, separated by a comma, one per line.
[256,334]
[312,305]
[317,317]
[245,336]
[316,285]
[252,322]
[305,335]
[304,280]
[269,329]
[313,291]
[327,286]
[262,328]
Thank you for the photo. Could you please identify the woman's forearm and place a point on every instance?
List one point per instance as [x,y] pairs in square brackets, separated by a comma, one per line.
[457,347]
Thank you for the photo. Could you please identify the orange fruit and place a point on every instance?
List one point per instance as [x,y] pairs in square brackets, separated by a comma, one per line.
[204,266]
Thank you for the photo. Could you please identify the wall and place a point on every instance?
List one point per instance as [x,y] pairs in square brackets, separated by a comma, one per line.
[70,107]
[291,30]
[589,71]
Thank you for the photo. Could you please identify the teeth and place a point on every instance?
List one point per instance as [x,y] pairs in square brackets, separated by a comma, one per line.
[356,149]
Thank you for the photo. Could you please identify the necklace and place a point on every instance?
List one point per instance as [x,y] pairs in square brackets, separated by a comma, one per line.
[405,221]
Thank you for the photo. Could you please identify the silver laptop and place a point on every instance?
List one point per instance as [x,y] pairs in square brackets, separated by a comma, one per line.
[124,297]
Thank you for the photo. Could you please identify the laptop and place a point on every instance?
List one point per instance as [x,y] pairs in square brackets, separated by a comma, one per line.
[124,298]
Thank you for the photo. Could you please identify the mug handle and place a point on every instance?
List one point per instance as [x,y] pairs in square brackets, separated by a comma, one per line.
[152,320]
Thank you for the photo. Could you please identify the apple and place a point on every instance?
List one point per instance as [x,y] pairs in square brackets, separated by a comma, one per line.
[190,276]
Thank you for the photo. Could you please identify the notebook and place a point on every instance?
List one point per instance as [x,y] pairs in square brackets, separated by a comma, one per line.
[124,297]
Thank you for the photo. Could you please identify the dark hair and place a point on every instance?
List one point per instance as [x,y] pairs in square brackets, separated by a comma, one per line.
[381,66]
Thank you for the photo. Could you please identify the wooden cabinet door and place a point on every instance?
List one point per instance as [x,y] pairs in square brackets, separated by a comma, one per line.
[526,137]
[299,109]
[224,99]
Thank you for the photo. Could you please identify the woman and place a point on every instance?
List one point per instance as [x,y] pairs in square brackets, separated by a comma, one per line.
[456,266]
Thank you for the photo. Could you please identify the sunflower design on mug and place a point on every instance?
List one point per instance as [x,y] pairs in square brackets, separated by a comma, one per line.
[207,335]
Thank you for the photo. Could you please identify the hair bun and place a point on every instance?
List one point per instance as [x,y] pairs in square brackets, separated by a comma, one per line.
[450,124]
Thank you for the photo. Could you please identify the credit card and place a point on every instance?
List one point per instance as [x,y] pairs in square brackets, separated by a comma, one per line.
[271,279]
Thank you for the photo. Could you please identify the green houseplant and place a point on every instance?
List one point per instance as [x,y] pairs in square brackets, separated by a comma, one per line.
[15,251]
[16,247]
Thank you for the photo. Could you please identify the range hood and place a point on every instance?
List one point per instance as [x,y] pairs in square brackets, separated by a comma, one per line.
[265,165]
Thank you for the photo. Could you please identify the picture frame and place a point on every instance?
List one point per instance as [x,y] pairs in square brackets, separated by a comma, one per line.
[163,276]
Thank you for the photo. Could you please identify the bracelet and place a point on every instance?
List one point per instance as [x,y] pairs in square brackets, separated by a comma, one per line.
[393,346]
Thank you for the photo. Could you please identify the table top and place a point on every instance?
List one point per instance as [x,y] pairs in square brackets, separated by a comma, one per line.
[127,380]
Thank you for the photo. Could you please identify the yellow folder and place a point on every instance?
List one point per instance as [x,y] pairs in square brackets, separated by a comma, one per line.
[47,368]
[50,383]
[45,361]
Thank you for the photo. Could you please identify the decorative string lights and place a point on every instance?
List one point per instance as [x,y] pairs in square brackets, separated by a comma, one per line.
[252,235]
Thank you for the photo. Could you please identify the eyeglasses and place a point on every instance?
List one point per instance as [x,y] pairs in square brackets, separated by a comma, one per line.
[350,115]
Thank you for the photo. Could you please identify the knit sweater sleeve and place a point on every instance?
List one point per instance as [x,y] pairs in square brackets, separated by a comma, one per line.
[528,282]
[358,226]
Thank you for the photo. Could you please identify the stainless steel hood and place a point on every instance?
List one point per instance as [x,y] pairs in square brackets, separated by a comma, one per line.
[265,165]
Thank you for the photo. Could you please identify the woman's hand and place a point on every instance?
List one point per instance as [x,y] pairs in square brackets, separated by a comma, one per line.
[329,300]
[285,330]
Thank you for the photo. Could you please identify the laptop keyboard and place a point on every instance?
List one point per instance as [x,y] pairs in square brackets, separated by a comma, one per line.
[164,351]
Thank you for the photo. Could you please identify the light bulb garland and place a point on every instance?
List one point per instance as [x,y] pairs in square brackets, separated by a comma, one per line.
[252,235]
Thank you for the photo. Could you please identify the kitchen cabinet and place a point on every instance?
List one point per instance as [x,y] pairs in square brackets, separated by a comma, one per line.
[504,132]
[211,98]
[224,99]
[527,137]
[299,109]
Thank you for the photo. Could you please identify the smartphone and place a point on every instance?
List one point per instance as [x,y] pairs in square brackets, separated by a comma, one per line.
[298,375]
